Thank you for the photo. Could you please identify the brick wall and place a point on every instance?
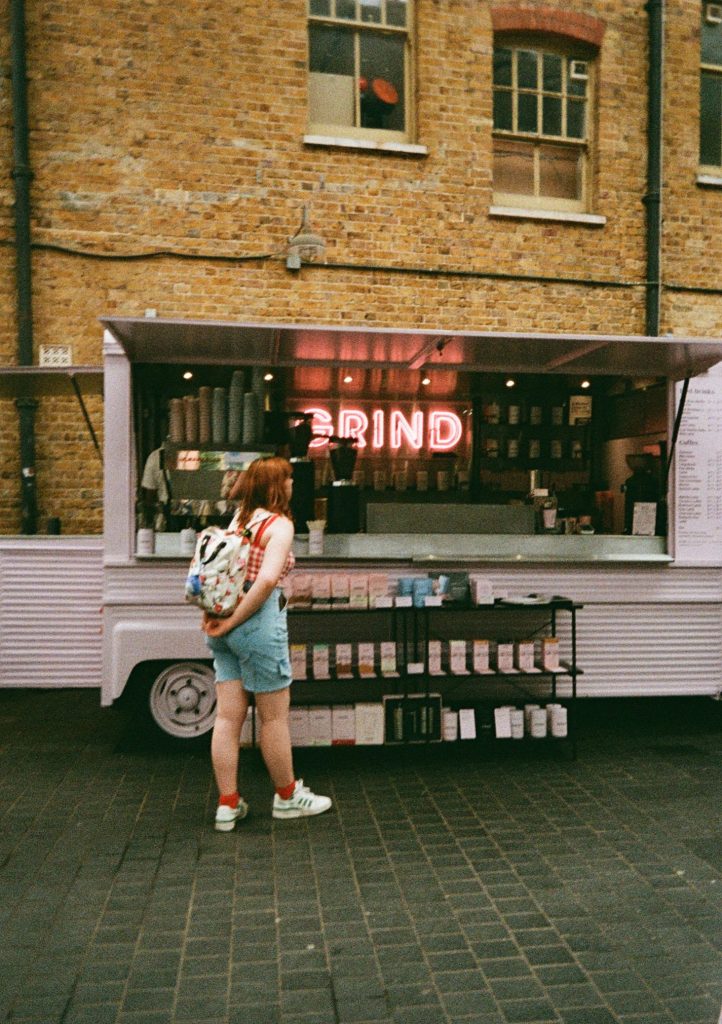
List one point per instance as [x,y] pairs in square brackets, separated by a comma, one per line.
[165,126]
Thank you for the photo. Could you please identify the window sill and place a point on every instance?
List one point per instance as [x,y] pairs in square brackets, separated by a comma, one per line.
[402,148]
[565,216]
[710,179]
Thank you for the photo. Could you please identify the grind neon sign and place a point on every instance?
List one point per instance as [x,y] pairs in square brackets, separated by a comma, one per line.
[438,430]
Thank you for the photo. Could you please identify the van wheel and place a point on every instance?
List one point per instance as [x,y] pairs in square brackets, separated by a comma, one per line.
[182,700]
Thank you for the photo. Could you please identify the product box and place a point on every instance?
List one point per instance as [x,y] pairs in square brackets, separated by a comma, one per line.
[449,725]
[457,658]
[344,661]
[343,725]
[319,726]
[340,590]
[505,658]
[467,724]
[480,589]
[321,591]
[525,656]
[434,656]
[298,723]
[388,659]
[298,661]
[480,657]
[321,662]
[415,718]
[378,588]
[502,723]
[366,660]
[549,653]
[403,600]
[301,590]
[369,724]
[358,591]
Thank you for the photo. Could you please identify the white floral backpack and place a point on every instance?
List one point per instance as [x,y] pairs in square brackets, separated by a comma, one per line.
[218,568]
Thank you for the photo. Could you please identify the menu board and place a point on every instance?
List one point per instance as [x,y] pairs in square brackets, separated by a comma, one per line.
[698,473]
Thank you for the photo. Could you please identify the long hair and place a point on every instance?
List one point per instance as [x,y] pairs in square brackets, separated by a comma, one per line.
[261,486]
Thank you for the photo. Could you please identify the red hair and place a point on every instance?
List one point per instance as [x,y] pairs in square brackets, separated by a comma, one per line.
[262,486]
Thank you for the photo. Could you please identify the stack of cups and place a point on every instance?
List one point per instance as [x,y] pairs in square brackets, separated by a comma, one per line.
[315,536]
[235,407]
[258,388]
[191,409]
[176,426]
[205,403]
[250,418]
[219,416]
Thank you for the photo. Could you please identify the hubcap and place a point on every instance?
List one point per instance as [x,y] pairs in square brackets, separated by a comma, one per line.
[183,699]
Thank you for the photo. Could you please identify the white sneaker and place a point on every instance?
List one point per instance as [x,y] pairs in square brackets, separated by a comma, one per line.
[301,804]
[226,817]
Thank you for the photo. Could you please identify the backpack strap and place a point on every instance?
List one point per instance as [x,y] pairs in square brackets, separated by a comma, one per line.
[256,542]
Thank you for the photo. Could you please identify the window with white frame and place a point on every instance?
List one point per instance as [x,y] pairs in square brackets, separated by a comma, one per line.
[710,121]
[542,125]
[359,55]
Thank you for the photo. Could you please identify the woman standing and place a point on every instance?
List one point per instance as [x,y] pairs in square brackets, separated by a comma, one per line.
[250,651]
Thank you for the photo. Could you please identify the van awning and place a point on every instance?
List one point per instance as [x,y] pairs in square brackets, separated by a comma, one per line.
[154,340]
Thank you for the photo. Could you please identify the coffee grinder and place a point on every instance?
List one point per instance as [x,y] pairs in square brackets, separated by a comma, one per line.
[299,438]
[343,494]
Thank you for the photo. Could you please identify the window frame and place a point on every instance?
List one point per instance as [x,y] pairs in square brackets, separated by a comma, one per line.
[356,26]
[569,50]
[716,71]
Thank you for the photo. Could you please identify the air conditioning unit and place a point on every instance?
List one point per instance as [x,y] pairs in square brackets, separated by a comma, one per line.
[578,70]
[713,14]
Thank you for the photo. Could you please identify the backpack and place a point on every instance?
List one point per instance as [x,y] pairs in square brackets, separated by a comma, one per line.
[218,568]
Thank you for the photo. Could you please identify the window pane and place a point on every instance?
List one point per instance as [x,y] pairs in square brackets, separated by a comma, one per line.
[331,93]
[710,129]
[560,173]
[552,115]
[320,7]
[330,50]
[552,73]
[526,69]
[396,12]
[576,119]
[527,112]
[514,167]
[346,9]
[371,11]
[575,86]
[502,66]
[502,110]
[382,65]
[711,41]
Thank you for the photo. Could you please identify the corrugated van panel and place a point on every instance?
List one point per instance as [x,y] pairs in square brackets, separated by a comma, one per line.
[50,613]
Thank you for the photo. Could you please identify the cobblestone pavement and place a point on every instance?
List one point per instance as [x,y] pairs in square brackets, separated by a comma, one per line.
[447,885]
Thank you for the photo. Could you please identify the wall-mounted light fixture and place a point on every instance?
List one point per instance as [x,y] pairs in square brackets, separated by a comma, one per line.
[305,246]
[425,379]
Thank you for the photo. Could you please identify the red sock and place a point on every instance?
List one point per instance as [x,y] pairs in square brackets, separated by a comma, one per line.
[229,800]
[286,792]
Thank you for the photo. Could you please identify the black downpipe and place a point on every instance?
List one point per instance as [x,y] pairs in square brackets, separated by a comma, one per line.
[22,176]
[653,198]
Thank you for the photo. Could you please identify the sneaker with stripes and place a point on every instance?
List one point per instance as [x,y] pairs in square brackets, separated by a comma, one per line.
[301,804]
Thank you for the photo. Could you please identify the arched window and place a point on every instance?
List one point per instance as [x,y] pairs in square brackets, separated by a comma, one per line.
[359,68]
[710,121]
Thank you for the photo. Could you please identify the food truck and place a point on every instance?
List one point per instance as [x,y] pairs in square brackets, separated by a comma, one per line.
[582,466]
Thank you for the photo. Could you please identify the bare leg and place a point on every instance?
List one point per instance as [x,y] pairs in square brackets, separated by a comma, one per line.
[231,710]
[275,736]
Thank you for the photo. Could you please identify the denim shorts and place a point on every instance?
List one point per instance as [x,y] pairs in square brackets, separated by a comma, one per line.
[256,652]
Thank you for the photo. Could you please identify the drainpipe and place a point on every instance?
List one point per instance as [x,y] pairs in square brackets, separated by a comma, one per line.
[22,175]
[653,198]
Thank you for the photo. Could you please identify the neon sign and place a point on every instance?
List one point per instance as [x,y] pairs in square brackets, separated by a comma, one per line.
[438,430]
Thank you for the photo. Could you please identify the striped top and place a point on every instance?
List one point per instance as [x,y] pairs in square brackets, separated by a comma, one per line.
[255,555]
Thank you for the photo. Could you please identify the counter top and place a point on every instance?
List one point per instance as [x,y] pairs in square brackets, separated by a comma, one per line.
[429,548]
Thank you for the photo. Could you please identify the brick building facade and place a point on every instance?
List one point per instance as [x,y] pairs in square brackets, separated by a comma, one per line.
[172,153]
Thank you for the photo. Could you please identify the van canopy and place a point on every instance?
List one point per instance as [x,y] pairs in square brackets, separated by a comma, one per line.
[152,340]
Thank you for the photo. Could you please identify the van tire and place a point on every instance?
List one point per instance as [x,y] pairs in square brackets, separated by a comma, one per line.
[181,700]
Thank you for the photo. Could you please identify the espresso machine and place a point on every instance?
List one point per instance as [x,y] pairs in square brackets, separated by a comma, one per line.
[300,436]
[343,494]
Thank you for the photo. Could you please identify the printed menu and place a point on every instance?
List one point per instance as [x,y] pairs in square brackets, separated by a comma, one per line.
[698,473]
